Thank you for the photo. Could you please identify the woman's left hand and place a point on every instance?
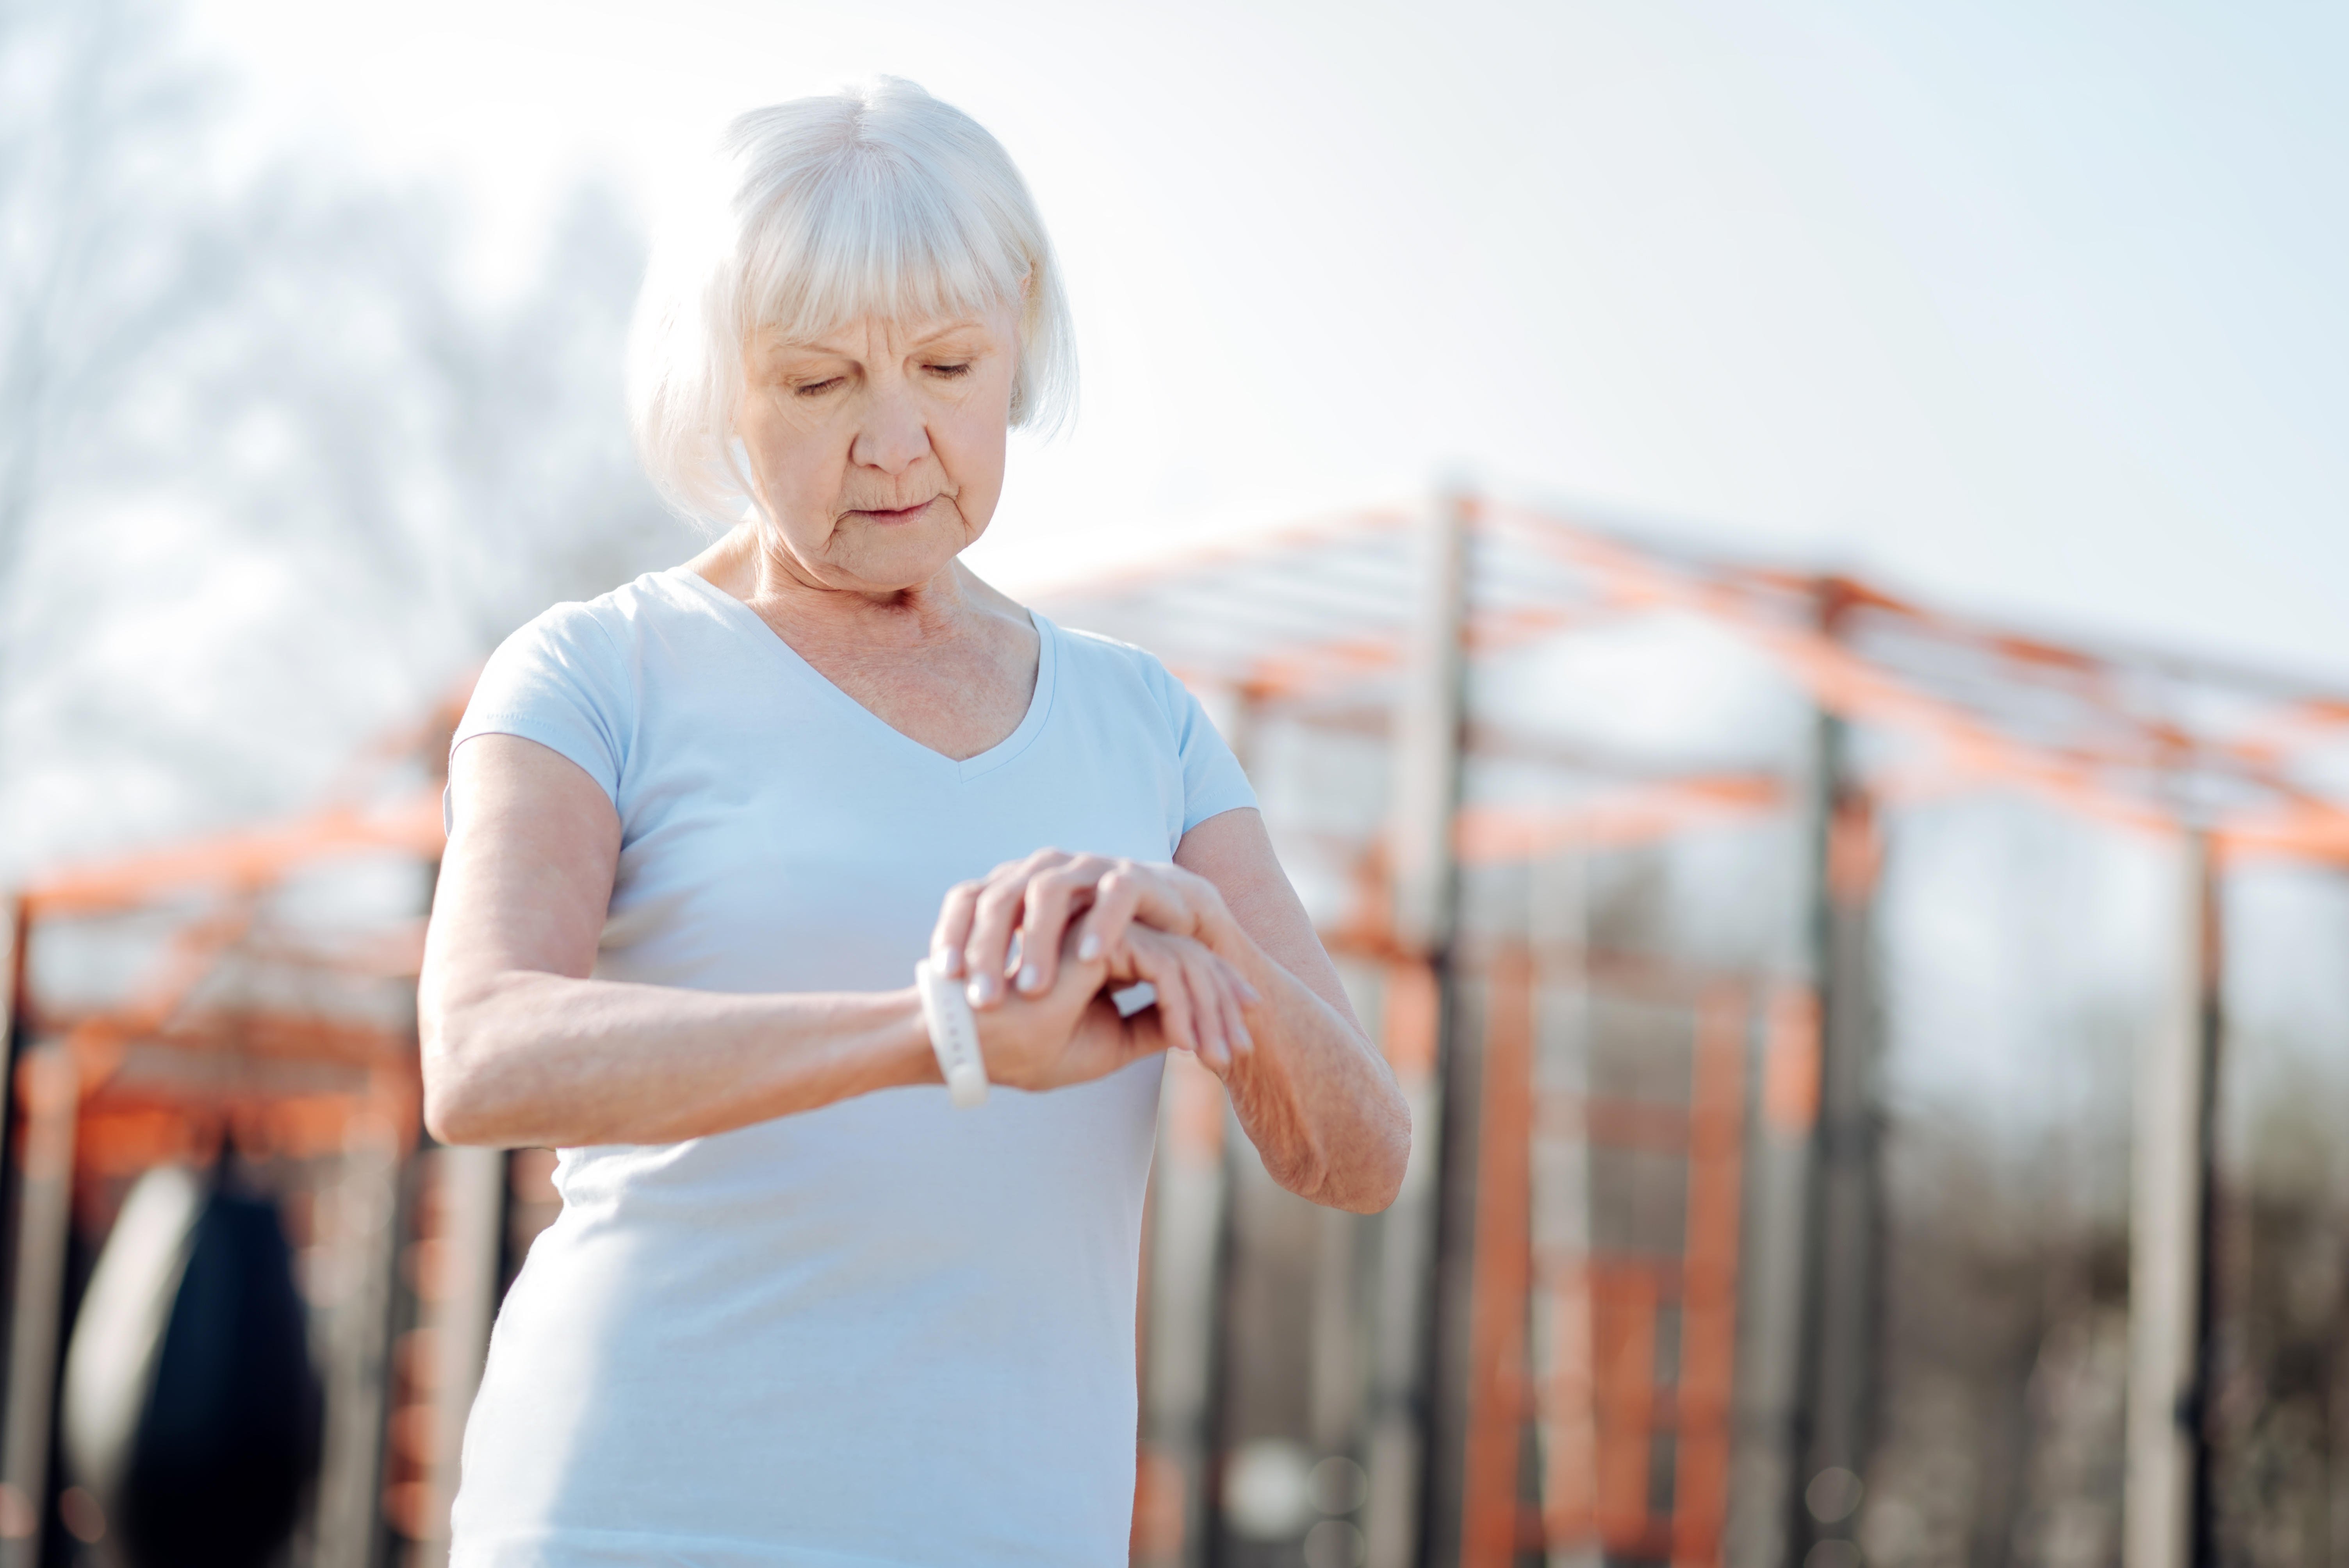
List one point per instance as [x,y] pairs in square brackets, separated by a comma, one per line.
[1035,899]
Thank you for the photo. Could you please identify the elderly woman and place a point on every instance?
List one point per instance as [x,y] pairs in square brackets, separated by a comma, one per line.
[716,921]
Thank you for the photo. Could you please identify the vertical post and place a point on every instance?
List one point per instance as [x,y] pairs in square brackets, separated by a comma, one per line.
[1429,715]
[1563,1325]
[1404,1237]
[1835,1409]
[364,1213]
[19,1039]
[1424,802]
[2168,1211]
[460,1299]
[1498,1391]
[50,1091]
[1767,1445]
[1187,1201]
[1709,1277]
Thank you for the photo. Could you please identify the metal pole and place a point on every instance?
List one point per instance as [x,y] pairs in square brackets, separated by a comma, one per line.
[363,1207]
[52,1096]
[12,1185]
[2162,1522]
[1834,1418]
[1499,1392]
[1565,1323]
[1424,768]
[1768,1445]
[461,1301]
[1187,1202]
[1429,718]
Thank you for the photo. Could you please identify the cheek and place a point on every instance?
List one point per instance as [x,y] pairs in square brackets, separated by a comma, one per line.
[970,445]
[972,438]
[794,453]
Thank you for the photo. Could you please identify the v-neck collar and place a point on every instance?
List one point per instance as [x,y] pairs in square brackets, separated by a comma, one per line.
[752,626]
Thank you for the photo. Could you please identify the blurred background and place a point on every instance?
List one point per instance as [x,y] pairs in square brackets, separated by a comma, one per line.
[1779,574]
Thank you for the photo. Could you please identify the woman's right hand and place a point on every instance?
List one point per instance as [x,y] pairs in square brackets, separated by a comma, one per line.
[1071,1034]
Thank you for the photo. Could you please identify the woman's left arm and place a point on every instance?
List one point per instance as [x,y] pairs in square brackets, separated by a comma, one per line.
[1321,1106]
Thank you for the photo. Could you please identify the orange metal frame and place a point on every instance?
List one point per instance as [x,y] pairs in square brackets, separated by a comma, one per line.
[2127,746]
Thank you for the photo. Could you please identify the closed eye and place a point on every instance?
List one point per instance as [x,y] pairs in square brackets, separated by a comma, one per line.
[818,388]
[951,371]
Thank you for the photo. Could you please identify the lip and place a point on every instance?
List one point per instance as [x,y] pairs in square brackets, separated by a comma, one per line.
[903,514]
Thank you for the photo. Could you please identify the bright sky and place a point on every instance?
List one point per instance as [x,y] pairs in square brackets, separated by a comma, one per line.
[2034,309]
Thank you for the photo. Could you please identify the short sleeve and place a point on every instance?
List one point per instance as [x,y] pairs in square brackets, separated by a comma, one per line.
[559,681]
[1213,780]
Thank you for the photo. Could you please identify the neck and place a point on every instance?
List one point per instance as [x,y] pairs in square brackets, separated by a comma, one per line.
[786,594]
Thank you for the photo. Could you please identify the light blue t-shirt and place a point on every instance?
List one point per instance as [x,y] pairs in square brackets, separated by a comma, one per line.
[886,1331]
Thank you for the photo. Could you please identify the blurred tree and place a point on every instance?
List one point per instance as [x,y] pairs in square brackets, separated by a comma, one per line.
[103,247]
[270,475]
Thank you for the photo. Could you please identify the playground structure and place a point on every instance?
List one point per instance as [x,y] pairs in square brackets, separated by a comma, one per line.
[1627,1306]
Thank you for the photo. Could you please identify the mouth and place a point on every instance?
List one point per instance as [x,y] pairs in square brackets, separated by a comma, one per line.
[901,514]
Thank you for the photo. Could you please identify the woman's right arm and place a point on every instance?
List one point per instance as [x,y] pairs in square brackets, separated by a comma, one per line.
[521,1049]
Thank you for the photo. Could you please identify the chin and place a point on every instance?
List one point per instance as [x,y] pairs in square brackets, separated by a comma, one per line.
[897,566]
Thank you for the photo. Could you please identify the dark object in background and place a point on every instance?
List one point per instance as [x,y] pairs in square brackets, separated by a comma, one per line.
[191,1410]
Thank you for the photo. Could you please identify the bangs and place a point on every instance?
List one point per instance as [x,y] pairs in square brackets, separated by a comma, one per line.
[871,235]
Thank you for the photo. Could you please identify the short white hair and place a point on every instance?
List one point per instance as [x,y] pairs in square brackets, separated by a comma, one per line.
[876,201]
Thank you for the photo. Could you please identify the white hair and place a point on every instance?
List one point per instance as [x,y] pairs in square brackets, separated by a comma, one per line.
[877,201]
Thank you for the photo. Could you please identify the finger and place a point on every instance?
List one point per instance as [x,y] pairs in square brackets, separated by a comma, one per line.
[1207,1003]
[987,949]
[954,928]
[1050,898]
[1125,894]
[1082,975]
[1156,963]
[1192,1007]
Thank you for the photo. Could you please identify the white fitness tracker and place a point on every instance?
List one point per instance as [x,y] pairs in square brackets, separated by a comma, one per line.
[954,1036]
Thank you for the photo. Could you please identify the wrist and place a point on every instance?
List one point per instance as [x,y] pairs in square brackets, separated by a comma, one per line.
[1223,936]
[906,1040]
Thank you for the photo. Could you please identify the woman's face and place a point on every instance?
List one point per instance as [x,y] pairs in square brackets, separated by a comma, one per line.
[878,448]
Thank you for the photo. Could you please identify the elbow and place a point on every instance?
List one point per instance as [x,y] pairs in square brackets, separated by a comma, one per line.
[454,1117]
[1372,1177]
[1385,1164]
[462,1105]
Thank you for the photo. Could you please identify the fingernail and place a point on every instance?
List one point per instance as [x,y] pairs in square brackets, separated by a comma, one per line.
[1032,979]
[1250,994]
[981,990]
[1089,949]
[1246,1040]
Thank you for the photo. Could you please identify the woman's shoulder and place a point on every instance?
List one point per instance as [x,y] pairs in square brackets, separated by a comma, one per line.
[588,653]
[1091,652]
[610,621]
[1097,660]
[1092,662]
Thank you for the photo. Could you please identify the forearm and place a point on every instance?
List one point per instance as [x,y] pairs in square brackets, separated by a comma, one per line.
[1322,1107]
[524,1058]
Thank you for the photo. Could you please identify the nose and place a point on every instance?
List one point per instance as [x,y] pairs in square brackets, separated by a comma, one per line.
[891,436]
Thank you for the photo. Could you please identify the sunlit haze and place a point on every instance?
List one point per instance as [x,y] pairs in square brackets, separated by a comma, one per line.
[2027,309]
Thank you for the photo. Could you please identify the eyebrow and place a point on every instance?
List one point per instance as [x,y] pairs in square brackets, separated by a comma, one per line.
[949,330]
